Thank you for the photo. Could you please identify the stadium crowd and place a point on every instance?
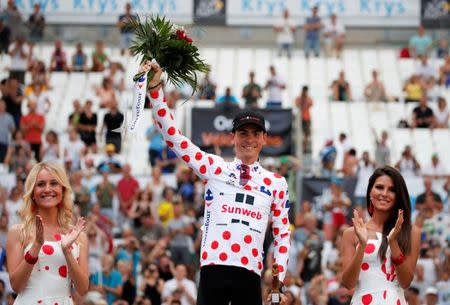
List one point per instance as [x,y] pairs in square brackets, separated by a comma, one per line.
[144,234]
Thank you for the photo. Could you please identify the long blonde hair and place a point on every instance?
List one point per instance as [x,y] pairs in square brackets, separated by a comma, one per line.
[27,212]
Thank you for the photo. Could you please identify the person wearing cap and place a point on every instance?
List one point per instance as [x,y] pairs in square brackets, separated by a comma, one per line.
[241,197]
[431,296]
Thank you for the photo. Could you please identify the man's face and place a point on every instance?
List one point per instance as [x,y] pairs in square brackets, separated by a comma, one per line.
[248,142]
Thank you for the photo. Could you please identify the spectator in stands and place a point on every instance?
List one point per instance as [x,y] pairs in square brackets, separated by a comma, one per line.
[20,58]
[105,192]
[12,17]
[442,114]
[152,285]
[79,59]
[50,149]
[17,146]
[127,192]
[285,30]
[328,158]
[39,73]
[274,85]
[126,34]
[7,126]
[420,44]
[422,116]
[414,89]
[75,150]
[444,72]
[341,89]
[5,37]
[180,282]
[167,160]
[156,187]
[129,289]
[87,126]
[180,228]
[251,92]
[156,143]
[412,296]
[442,49]
[81,194]
[111,121]
[207,88]
[13,98]
[365,169]
[435,169]
[74,117]
[41,98]
[334,36]
[58,61]
[13,205]
[390,210]
[115,73]
[99,59]
[312,27]
[425,70]
[431,296]
[382,150]
[304,103]
[106,93]
[408,165]
[33,125]
[374,91]
[443,286]
[109,282]
[350,163]
[114,165]
[165,208]
[227,100]
[36,24]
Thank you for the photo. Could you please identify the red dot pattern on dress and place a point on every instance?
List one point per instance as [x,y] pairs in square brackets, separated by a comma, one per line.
[218,171]
[280,268]
[186,158]
[214,245]
[267,181]
[47,267]
[198,156]
[276,231]
[276,213]
[247,239]
[366,299]
[283,249]
[211,160]
[162,112]
[223,256]
[259,265]
[281,195]
[203,169]
[63,271]
[57,237]
[398,302]
[205,255]
[284,220]
[184,144]
[369,248]
[154,94]
[171,131]
[364,266]
[384,294]
[226,235]
[47,249]
[235,248]
[244,260]
[255,252]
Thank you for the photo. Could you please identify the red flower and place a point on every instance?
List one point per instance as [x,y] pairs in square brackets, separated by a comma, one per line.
[181,34]
[188,39]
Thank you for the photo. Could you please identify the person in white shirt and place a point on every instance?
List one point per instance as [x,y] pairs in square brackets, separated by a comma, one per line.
[285,30]
[334,36]
[275,86]
[181,284]
[435,169]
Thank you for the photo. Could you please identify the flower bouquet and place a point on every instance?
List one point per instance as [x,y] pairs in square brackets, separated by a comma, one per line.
[159,39]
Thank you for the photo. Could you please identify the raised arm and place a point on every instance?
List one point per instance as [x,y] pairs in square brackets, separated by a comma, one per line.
[202,163]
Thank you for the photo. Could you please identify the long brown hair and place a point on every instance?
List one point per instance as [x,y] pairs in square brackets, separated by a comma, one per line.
[401,202]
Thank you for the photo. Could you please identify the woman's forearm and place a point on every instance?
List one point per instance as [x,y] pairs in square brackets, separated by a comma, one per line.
[79,278]
[351,273]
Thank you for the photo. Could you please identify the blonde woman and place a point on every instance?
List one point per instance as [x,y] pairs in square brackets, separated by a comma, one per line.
[46,253]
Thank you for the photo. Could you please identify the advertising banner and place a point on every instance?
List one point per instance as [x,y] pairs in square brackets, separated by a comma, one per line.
[360,13]
[104,11]
[436,13]
[211,127]
[210,12]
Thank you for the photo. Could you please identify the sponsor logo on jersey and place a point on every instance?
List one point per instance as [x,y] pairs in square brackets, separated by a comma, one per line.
[208,197]
[241,211]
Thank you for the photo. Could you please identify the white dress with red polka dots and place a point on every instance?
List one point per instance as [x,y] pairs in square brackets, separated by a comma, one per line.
[377,281]
[236,214]
[49,282]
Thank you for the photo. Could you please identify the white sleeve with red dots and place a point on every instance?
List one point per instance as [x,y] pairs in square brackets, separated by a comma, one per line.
[280,227]
[197,159]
